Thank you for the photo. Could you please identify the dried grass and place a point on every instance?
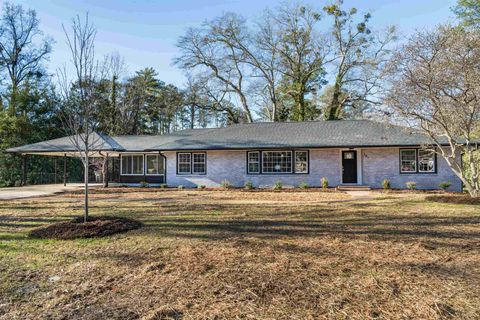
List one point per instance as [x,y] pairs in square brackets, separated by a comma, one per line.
[239,255]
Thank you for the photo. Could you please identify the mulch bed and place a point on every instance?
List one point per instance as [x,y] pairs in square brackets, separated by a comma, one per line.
[77,228]
[456,199]
[113,190]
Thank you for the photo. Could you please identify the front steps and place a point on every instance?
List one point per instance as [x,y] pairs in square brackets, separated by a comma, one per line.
[353,187]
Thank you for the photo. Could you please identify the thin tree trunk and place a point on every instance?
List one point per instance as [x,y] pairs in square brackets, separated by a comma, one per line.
[64,170]
[85,177]
[192,116]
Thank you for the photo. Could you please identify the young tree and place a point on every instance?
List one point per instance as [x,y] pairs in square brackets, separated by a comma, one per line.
[22,48]
[79,99]
[436,84]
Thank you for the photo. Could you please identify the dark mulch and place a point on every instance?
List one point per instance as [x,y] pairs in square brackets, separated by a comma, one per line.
[94,227]
[116,189]
[452,198]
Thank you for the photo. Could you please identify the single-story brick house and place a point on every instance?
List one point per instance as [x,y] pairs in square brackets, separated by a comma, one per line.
[347,152]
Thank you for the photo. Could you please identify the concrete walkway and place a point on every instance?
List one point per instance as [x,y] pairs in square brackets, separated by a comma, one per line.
[39,190]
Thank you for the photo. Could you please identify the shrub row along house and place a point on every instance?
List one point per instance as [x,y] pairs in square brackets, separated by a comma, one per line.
[356,152]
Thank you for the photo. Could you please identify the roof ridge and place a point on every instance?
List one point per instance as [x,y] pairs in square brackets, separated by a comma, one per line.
[293,122]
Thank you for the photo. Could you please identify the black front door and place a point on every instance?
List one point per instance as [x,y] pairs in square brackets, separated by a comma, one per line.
[349,166]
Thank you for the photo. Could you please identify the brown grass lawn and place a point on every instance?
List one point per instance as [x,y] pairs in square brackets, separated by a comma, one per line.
[244,255]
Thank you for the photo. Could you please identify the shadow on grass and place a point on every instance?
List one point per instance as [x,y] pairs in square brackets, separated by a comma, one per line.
[220,221]
[443,230]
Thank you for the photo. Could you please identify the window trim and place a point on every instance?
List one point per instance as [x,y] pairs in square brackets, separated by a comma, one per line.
[191,173]
[131,155]
[279,173]
[178,164]
[193,163]
[295,162]
[259,162]
[146,162]
[435,163]
[292,172]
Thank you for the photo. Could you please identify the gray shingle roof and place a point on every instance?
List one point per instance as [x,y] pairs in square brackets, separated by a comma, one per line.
[98,142]
[312,134]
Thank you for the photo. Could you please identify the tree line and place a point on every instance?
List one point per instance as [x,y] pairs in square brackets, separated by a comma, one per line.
[293,63]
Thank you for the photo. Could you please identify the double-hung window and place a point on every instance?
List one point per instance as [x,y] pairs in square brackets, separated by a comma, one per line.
[417,161]
[191,163]
[253,161]
[132,164]
[408,161]
[199,163]
[154,164]
[277,161]
[426,161]
[184,163]
[301,161]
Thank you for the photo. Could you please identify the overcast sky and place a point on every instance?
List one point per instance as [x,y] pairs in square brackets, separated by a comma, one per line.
[144,32]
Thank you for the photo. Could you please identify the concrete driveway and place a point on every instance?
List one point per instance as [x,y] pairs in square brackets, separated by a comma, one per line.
[39,190]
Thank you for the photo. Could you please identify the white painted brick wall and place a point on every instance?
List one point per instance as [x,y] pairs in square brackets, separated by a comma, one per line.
[378,164]
[382,163]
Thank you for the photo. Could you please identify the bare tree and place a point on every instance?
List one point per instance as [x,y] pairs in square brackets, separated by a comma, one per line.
[301,53]
[22,51]
[356,60]
[436,84]
[208,49]
[78,95]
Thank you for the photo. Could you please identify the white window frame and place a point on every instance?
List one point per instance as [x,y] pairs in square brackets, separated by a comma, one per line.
[401,161]
[278,173]
[189,163]
[258,162]
[132,155]
[204,162]
[306,161]
[161,158]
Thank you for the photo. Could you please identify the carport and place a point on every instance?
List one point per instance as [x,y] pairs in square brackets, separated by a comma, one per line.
[101,147]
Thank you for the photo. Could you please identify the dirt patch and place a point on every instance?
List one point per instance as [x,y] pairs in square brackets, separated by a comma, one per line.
[94,227]
[456,199]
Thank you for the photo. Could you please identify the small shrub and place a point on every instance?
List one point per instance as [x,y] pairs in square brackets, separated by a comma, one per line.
[386,184]
[226,184]
[164,186]
[411,185]
[278,185]
[181,187]
[324,183]
[445,185]
[201,186]
[303,185]
[249,185]
[143,184]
